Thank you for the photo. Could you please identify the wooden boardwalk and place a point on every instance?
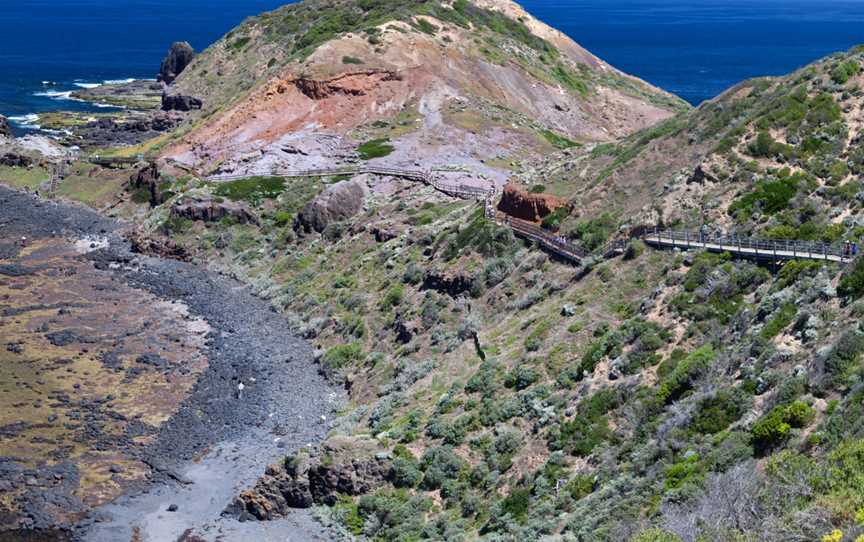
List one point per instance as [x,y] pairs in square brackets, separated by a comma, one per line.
[741,247]
[747,247]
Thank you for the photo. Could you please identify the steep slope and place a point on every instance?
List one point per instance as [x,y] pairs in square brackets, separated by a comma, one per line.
[500,394]
[323,77]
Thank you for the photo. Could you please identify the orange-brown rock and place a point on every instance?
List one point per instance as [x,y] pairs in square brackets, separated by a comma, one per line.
[527,206]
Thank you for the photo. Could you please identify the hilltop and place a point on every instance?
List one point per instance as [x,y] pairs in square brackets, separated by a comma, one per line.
[309,82]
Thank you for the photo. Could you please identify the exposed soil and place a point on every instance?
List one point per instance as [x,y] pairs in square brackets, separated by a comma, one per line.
[260,396]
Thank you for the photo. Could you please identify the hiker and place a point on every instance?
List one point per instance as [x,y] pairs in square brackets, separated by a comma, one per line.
[854,249]
[23,242]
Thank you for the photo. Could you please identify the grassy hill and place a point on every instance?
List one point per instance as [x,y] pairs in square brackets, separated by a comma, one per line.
[651,397]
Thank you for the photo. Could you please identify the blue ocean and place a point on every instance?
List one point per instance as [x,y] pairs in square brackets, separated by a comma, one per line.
[693,48]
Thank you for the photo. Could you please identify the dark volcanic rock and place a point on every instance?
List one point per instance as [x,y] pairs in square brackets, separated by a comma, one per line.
[337,202]
[210,210]
[177,102]
[301,482]
[14,159]
[148,178]
[451,284]
[5,129]
[179,56]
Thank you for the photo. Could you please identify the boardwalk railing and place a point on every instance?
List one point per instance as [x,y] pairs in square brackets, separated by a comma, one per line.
[776,249]
[555,243]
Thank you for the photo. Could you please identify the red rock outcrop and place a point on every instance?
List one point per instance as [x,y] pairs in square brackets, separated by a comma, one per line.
[527,206]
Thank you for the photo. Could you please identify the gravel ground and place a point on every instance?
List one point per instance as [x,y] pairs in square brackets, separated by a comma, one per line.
[260,398]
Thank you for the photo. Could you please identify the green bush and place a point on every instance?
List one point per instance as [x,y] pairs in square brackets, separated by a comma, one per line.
[351,60]
[392,298]
[440,464]
[774,428]
[558,140]
[593,234]
[252,189]
[406,472]
[685,374]
[769,197]
[852,282]
[780,321]
[516,504]
[342,355]
[656,534]
[717,412]
[686,471]
[843,360]
[844,71]
[521,377]
[375,148]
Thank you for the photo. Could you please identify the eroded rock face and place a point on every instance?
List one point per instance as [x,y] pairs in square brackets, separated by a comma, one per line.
[527,206]
[209,210]
[176,102]
[445,282]
[15,160]
[179,56]
[148,178]
[336,203]
[5,129]
[301,482]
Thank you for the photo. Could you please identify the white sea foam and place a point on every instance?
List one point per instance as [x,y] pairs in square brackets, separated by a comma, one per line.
[88,85]
[118,81]
[26,121]
[55,94]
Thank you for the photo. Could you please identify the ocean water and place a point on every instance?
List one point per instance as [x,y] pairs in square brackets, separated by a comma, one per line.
[694,48]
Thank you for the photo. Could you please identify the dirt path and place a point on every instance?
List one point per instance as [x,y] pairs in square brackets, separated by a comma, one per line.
[259,399]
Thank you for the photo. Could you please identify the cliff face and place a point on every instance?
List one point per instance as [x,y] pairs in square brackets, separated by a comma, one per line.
[527,206]
[179,56]
[5,129]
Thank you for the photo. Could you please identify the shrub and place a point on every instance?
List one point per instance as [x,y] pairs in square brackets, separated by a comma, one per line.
[440,464]
[342,355]
[413,274]
[844,71]
[852,282]
[558,140]
[656,534]
[780,321]
[717,412]
[392,298]
[351,60]
[685,374]
[769,197]
[375,148]
[592,234]
[482,236]
[516,504]
[686,471]
[252,189]
[844,356]
[774,428]
[579,436]
[406,472]
[521,377]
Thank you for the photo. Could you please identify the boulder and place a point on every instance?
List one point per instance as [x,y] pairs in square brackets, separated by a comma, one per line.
[15,160]
[336,203]
[301,481]
[148,179]
[210,210]
[528,206]
[180,55]
[5,129]
[177,102]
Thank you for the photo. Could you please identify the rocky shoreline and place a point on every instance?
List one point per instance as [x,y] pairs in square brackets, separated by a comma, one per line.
[261,395]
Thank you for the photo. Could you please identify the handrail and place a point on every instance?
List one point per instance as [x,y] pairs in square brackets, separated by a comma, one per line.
[781,248]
